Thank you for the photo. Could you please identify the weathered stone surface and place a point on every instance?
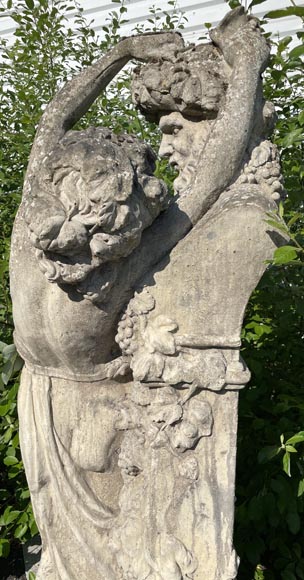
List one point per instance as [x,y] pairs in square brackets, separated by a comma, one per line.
[128,308]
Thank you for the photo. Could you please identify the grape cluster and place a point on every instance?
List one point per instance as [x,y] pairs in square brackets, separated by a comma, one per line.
[125,335]
[263,168]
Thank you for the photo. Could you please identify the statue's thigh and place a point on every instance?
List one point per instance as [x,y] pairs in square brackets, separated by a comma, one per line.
[84,417]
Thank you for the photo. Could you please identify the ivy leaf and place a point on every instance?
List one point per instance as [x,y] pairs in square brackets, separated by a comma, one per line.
[147,365]
[168,415]
[159,333]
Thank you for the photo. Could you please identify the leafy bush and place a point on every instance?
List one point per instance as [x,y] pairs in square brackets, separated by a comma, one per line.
[270,465]
[47,50]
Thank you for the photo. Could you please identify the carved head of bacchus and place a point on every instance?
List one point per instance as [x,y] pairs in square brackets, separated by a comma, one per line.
[185,98]
[93,202]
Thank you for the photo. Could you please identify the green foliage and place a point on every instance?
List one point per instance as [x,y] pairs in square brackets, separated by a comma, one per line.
[16,520]
[290,11]
[47,50]
[270,469]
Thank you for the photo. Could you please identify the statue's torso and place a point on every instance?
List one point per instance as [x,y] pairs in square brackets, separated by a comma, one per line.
[54,327]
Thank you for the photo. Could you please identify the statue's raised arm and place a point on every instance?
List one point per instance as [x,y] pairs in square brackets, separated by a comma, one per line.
[79,186]
[246,51]
[210,108]
[208,102]
[77,95]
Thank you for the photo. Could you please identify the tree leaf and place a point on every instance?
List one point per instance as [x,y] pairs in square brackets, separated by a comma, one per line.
[295,136]
[10,460]
[288,575]
[297,51]
[7,371]
[8,351]
[4,548]
[294,522]
[284,255]
[4,409]
[286,463]
[301,488]
[268,453]
[297,438]
[278,225]
[234,3]
[20,531]
[290,11]
[291,449]
[10,516]
[255,3]
[2,344]
[294,219]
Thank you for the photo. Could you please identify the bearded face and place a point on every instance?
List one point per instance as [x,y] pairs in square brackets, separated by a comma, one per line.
[182,142]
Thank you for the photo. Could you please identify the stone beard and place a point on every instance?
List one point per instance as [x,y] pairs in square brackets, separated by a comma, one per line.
[128,308]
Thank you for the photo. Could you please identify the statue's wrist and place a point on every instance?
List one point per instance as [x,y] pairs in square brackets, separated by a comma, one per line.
[124,48]
[248,63]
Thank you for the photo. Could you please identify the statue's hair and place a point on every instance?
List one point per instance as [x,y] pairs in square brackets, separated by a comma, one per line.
[98,196]
[94,167]
[194,84]
[89,146]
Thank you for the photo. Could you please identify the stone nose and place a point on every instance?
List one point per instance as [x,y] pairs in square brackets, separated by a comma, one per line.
[166,148]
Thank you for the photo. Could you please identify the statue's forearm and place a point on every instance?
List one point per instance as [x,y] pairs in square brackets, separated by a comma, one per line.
[223,153]
[73,101]
[219,162]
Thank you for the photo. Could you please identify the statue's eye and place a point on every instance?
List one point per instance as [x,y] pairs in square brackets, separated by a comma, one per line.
[175,131]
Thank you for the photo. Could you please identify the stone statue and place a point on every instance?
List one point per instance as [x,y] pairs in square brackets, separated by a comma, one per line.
[128,306]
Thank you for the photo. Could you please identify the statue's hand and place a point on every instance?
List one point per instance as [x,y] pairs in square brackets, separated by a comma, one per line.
[239,37]
[157,45]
